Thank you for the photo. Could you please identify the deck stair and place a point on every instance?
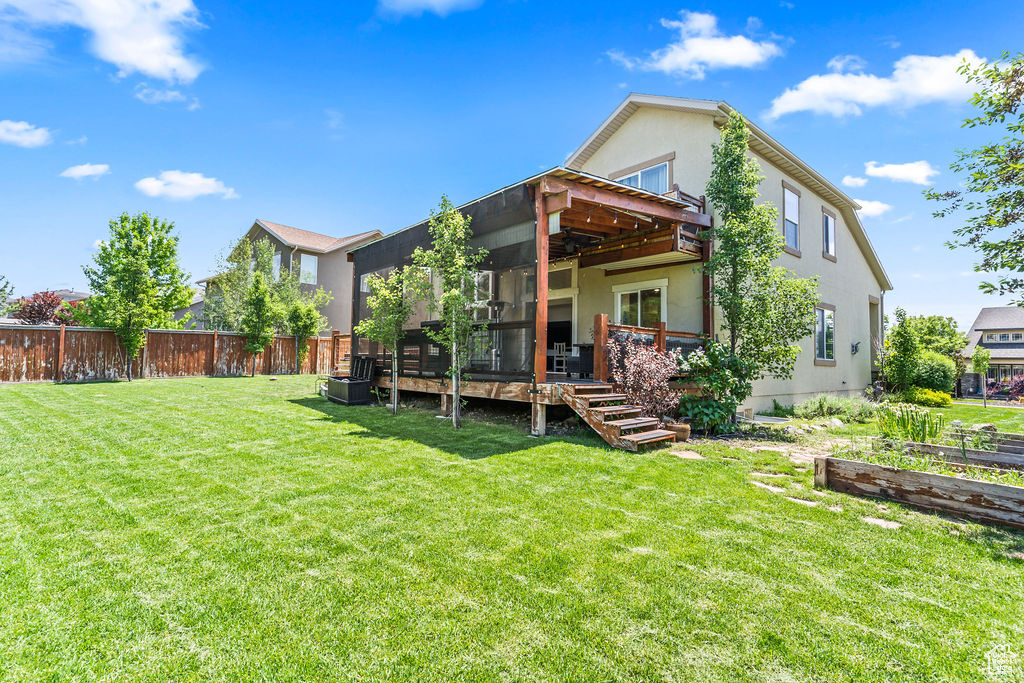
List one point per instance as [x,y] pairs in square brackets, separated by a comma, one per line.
[610,415]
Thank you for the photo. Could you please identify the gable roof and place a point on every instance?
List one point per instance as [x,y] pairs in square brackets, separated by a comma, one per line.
[999,318]
[313,241]
[760,142]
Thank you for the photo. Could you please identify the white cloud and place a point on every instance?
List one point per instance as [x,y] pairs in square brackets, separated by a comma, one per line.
[843,63]
[871,208]
[97,244]
[85,171]
[917,172]
[158,96]
[417,7]
[853,181]
[24,134]
[78,141]
[699,47]
[137,36]
[182,185]
[915,80]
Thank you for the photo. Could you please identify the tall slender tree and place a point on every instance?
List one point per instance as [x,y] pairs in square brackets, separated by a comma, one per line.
[766,310]
[451,290]
[979,363]
[6,292]
[390,308]
[259,313]
[136,281]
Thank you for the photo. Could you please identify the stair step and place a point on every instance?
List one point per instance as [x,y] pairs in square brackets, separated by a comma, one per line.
[650,437]
[633,423]
[581,389]
[604,411]
[591,398]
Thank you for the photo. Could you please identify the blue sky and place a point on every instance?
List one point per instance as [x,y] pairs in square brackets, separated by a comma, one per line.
[342,117]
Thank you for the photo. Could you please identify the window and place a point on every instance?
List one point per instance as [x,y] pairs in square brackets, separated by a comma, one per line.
[828,234]
[653,179]
[1017,336]
[307,269]
[791,217]
[825,335]
[277,266]
[640,304]
[1004,336]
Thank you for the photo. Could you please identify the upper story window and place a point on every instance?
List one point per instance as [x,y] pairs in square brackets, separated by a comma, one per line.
[791,216]
[307,269]
[1017,336]
[828,234]
[653,179]
[1004,336]
[990,337]
[276,270]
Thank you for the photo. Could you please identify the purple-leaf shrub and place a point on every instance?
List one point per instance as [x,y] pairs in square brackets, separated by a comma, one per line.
[642,373]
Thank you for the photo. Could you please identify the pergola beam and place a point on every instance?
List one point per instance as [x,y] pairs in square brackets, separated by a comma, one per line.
[566,193]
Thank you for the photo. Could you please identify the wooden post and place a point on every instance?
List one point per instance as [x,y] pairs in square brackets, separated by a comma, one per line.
[821,471]
[538,418]
[600,341]
[540,348]
[213,356]
[145,353]
[446,404]
[659,336]
[314,356]
[707,249]
[60,355]
[334,351]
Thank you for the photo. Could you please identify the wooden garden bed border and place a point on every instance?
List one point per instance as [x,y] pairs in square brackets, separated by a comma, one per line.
[953,454]
[982,501]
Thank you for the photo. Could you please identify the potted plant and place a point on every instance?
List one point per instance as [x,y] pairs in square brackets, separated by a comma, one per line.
[681,428]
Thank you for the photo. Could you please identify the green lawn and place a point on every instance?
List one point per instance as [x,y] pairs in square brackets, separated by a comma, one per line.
[1004,418]
[243,528]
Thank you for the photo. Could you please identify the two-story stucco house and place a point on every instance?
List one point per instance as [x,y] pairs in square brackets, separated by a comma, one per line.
[320,261]
[610,245]
[663,144]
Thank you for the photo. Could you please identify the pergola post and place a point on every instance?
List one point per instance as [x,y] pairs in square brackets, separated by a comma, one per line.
[540,334]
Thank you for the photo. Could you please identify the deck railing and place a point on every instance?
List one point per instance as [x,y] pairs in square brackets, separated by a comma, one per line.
[660,337]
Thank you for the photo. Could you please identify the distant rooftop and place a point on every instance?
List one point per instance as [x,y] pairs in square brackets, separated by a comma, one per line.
[315,241]
[1000,318]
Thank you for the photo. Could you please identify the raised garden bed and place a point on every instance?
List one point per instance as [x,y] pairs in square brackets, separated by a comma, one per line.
[955,456]
[983,501]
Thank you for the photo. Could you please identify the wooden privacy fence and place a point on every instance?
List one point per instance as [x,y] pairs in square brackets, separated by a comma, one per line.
[30,353]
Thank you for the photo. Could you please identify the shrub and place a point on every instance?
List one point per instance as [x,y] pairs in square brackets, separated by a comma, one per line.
[935,371]
[642,373]
[827,405]
[41,309]
[720,376]
[1016,387]
[903,353]
[905,422]
[926,397]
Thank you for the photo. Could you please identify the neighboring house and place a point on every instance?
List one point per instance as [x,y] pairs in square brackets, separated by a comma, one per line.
[1000,329]
[663,144]
[318,260]
[195,309]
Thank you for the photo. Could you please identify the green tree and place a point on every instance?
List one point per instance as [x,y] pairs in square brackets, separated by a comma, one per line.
[938,333]
[259,313]
[766,310]
[6,293]
[136,282]
[390,308]
[903,355]
[304,321]
[451,290]
[992,194]
[979,364]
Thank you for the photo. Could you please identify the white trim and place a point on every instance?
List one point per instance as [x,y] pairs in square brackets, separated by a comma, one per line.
[618,290]
[639,174]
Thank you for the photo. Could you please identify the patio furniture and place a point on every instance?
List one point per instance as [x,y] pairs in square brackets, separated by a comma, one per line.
[353,389]
[558,358]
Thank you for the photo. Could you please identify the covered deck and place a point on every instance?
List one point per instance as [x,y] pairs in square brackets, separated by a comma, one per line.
[548,304]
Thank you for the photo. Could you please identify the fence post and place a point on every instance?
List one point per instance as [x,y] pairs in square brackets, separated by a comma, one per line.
[60,355]
[213,356]
[600,340]
[314,356]
[334,351]
[659,336]
[145,353]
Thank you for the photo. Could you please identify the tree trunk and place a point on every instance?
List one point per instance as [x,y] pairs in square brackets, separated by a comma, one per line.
[298,367]
[394,381]
[253,373]
[984,391]
[456,400]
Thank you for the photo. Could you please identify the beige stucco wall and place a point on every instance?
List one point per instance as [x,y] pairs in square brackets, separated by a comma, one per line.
[846,284]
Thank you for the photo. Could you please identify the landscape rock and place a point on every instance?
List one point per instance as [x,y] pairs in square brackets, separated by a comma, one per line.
[984,426]
[836,422]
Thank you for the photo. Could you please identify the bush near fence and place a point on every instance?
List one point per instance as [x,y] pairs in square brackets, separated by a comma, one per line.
[30,353]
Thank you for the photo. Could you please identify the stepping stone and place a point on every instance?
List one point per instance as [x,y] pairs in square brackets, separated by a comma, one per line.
[768,474]
[884,523]
[768,487]
[808,503]
[687,455]
[835,508]
[1017,556]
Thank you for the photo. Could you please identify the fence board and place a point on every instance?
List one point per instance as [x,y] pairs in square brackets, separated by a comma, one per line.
[31,354]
